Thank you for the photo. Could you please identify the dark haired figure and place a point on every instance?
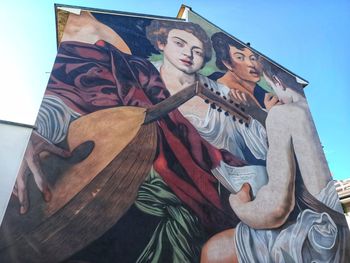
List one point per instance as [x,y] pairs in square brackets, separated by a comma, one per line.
[186,48]
[180,199]
[283,84]
[296,216]
[242,71]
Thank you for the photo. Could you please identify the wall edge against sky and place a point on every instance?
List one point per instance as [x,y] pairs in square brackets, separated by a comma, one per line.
[300,80]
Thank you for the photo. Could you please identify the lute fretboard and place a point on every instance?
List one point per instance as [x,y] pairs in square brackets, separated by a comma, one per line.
[221,103]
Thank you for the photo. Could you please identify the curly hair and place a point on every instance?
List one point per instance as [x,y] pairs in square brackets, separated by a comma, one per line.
[221,44]
[271,70]
[158,30]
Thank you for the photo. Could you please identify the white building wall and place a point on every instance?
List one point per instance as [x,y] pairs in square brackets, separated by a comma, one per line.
[13,142]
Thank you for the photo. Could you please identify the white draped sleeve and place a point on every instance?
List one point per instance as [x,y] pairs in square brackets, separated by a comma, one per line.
[225,133]
[54,118]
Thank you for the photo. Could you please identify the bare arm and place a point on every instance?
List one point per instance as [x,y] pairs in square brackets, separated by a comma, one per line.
[307,147]
[274,201]
[85,28]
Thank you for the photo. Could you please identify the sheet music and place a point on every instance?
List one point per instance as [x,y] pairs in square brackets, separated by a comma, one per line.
[233,178]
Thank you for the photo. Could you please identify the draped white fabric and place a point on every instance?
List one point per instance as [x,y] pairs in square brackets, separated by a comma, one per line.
[225,133]
[54,118]
[311,238]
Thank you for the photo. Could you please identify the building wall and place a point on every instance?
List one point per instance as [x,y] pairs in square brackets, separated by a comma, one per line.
[152,145]
[343,189]
[13,143]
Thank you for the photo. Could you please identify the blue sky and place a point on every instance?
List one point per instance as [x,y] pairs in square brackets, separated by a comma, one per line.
[310,38]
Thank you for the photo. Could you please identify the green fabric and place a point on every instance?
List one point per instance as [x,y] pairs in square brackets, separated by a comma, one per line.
[178,233]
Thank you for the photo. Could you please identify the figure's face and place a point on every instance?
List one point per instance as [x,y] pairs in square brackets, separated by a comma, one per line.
[284,94]
[244,63]
[184,51]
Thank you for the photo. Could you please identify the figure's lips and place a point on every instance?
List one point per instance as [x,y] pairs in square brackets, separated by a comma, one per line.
[187,62]
[254,73]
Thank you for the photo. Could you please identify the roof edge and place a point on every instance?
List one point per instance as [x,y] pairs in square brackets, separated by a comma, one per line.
[299,79]
[105,11]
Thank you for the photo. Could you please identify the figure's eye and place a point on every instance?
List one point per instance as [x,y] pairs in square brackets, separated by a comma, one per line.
[198,53]
[179,43]
[277,81]
[239,57]
[253,58]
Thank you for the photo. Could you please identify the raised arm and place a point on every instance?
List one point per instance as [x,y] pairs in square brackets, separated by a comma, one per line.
[87,29]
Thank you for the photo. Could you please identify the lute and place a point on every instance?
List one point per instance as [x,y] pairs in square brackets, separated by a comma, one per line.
[116,148]
[214,98]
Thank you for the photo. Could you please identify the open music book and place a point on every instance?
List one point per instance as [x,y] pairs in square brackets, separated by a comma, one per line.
[232,178]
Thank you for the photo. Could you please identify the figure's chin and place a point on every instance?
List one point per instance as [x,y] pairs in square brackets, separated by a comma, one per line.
[188,70]
[254,77]
[253,80]
[286,100]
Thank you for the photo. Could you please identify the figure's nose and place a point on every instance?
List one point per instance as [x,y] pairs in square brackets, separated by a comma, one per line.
[249,63]
[188,52]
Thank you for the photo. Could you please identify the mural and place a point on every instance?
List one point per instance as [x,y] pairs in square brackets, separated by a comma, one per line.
[160,140]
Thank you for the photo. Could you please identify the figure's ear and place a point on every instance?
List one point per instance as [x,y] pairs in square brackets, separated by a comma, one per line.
[278,82]
[269,80]
[227,65]
[160,45]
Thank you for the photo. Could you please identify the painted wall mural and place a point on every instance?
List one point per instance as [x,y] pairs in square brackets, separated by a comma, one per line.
[162,140]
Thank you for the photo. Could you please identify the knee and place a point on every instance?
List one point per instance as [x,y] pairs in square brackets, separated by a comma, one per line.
[205,253]
[280,214]
[220,248]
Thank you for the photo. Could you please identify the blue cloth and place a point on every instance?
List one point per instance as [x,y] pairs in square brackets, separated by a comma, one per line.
[259,94]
